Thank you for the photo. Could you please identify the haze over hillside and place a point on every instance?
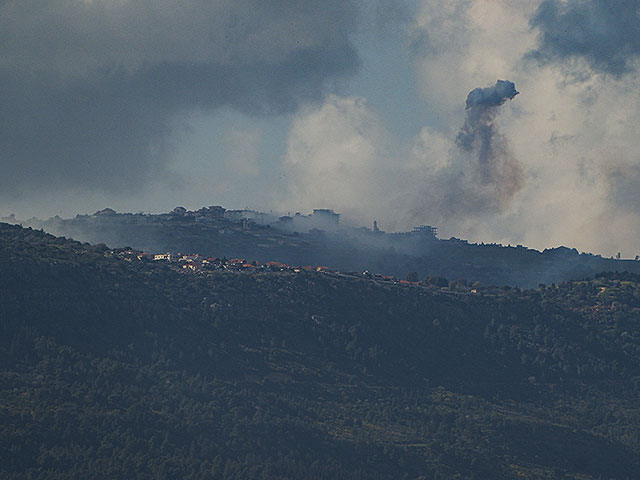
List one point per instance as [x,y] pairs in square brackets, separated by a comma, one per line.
[320,239]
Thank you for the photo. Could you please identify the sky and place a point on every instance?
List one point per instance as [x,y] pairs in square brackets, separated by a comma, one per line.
[497,121]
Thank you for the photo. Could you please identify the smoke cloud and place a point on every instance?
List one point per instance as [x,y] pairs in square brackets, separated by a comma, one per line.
[341,156]
[487,175]
[489,97]
[96,96]
[558,166]
[336,158]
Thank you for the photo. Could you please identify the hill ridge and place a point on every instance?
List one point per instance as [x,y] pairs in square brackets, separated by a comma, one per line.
[318,239]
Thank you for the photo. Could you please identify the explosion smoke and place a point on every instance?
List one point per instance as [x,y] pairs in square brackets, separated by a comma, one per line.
[492,175]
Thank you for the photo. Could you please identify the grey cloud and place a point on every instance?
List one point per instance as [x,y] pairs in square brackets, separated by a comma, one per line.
[91,89]
[604,33]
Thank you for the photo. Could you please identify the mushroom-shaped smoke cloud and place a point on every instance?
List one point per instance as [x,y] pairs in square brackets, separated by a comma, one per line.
[493,175]
[494,96]
[481,175]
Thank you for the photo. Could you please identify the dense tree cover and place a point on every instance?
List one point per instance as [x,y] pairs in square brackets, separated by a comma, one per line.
[125,369]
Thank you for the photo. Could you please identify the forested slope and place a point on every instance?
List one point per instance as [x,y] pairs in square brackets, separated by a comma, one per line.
[121,369]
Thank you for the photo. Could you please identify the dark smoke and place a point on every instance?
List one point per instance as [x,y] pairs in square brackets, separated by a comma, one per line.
[479,135]
[484,175]
[493,175]
[494,96]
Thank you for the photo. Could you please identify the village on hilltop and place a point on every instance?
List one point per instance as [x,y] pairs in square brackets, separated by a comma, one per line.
[195,263]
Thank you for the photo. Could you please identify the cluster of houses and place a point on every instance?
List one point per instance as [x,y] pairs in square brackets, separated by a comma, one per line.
[196,263]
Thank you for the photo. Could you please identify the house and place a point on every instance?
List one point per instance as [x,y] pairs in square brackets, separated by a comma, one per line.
[425,231]
[240,215]
[190,258]
[326,214]
[213,212]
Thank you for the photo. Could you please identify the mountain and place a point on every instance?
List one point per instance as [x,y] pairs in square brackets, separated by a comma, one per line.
[113,366]
[320,240]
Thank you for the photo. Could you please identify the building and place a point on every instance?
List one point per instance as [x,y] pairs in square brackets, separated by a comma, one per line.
[425,231]
[325,214]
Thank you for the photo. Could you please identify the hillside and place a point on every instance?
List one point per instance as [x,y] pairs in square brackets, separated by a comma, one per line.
[115,367]
[320,241]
